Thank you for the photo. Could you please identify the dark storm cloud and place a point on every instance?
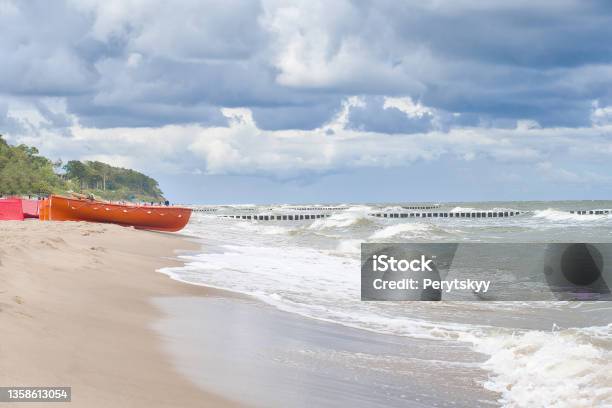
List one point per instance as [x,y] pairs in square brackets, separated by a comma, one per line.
[304,116]
[37,44]
[373,117]
[128,64]
[512,59]
[142,114]
[543,34]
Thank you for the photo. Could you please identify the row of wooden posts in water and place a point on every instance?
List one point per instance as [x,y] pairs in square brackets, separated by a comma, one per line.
[449,214]
[416,207]
[591,212]
[298,217]
[213,209]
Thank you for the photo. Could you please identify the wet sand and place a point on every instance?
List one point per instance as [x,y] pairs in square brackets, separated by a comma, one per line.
[75,311]
[269,358]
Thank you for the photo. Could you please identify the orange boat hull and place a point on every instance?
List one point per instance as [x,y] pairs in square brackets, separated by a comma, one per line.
[160,218]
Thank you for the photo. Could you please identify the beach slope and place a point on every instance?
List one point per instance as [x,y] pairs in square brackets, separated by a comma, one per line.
[75,311]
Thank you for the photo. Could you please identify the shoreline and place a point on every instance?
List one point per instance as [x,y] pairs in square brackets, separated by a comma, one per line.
[75,310]
[267,357]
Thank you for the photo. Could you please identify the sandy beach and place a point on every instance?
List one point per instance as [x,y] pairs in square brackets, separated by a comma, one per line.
[76,310]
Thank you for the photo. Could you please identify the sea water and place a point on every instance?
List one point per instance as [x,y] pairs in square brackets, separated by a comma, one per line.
[537,353]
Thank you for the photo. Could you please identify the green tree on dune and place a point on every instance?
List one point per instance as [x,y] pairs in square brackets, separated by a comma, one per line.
[112,182]
[24,171]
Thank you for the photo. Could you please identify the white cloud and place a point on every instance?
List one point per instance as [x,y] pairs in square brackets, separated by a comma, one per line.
[8,9]
[526,124]
[190,30]
[320,44]
[242,148]
[134,60]
[408,106]
[341,119]
[601,116]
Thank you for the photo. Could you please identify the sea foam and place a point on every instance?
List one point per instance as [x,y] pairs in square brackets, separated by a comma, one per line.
[548,369]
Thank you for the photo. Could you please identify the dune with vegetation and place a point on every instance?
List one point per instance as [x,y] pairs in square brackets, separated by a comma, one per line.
[24,171]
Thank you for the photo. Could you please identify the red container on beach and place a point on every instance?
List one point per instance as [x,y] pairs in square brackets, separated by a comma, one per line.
[10,209]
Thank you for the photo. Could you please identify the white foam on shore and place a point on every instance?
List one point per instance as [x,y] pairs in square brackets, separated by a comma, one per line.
[349,247]
[312,283]
[548,369]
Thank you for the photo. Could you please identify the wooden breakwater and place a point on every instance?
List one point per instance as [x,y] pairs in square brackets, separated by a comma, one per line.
[299,217]
[247,213]
[277,217]
[591,212]
[463,214]
[316,208]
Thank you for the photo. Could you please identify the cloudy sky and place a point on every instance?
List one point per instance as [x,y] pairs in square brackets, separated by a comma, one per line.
[318,101]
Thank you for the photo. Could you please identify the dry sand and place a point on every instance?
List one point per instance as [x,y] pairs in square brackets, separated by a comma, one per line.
[75,311]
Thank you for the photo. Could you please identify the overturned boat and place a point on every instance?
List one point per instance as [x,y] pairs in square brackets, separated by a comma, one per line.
[150,217]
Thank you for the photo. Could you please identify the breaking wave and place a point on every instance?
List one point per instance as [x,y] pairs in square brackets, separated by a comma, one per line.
[552,214]
[406,230]
[342,220]
[561,369]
